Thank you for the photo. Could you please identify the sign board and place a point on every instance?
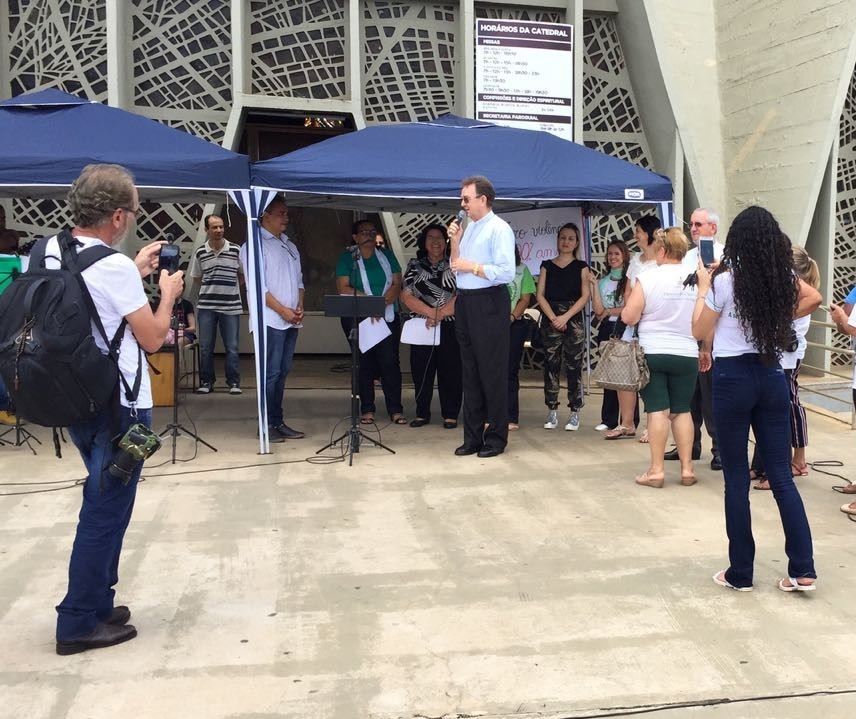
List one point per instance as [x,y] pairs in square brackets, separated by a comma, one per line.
[536,232]
[525,75]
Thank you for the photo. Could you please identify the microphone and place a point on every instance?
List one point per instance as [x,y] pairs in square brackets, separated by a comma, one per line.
[354,250]
[169,237]
[460,216]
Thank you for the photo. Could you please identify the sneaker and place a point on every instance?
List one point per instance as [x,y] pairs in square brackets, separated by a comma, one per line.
[601,427]
[552,420]
[573,423]
[7,417]
[234,389]
[204,388]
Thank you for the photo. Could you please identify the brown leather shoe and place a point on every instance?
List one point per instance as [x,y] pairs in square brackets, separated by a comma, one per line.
[105,635]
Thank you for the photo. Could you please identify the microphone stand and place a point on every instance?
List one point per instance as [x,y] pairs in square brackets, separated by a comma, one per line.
[354,434]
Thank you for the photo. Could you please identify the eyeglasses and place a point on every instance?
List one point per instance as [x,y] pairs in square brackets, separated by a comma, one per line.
[467,200]
[698,224]
[367,232]
[135,213]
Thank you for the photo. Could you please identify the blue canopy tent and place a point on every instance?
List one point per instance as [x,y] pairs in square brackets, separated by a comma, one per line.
[50,136]
[418,166]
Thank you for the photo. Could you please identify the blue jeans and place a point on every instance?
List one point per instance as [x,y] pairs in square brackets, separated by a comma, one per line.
[93,569]
[280,355]
[207,321]
[745,392]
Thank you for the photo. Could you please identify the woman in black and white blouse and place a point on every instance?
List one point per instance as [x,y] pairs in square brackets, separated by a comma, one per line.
[429,292]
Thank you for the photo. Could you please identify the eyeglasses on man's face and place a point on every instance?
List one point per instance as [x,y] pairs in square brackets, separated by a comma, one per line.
[135,213]
[371,232]
[467,200]
[699,224]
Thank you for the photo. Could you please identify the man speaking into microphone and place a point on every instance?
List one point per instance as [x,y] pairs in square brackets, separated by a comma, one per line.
[483,260]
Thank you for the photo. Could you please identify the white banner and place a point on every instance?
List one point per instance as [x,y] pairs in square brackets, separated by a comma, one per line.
[536,232]
[525,75]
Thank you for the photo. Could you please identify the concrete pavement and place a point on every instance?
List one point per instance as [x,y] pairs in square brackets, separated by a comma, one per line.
[539,583]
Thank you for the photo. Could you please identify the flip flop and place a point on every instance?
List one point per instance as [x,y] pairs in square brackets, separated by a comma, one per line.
[644,438]
[719,578]
[399,419]
[620,432]
[367,418]
[849,509]
[799,470]
[789,584]
[688,480]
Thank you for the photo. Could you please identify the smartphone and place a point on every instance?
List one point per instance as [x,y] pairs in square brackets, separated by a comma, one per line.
[705,250]
[169,258]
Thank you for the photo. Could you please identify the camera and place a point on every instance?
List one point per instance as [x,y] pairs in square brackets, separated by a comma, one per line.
[137,444]
[169,258]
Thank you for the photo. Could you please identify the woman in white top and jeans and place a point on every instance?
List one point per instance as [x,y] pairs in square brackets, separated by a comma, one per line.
[662,306]
[749,306]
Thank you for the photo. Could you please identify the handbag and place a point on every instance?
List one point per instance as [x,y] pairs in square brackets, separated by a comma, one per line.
[622,365]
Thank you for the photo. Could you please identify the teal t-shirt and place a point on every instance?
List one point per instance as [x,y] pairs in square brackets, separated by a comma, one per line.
[374,271]
[10,265]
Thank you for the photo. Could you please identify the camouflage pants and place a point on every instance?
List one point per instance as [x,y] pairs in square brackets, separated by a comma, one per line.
[563,350]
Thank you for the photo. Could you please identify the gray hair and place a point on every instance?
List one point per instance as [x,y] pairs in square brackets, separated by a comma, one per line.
[712,215]
[98,192]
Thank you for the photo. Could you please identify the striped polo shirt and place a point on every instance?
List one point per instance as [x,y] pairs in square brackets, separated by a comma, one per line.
[219,273]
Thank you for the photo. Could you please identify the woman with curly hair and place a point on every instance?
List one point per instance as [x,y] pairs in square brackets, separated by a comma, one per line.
[748,306]
[807,270]
[563,292]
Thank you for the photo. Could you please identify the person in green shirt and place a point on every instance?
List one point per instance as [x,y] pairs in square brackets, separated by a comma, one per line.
[521,289]
[376,272]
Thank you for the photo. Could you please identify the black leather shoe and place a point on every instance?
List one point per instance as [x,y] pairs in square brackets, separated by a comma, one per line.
[672,454]
[119,616]
[105,635]
[716,463]
[273,436]
[486,452]
[286,432]
[419,422]
[465,450]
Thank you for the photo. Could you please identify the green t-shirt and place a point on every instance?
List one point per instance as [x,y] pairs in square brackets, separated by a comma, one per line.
[522,284]
[9,265]
[374,271]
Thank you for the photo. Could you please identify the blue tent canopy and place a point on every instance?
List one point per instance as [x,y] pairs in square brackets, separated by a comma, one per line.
[418,166]
[50,136]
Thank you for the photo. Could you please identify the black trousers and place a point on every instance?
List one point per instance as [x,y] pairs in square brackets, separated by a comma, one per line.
[702,410]
[517,337]
[481,321]
[444,362]
[380,361]
[610,414]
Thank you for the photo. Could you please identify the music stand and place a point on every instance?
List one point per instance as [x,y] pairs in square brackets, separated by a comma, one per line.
[175,428]
[354,307]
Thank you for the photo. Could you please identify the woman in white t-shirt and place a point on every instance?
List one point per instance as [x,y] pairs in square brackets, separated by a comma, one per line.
[662,305]
[748,306]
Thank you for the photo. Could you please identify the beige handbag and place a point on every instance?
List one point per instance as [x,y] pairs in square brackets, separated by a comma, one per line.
[622,365]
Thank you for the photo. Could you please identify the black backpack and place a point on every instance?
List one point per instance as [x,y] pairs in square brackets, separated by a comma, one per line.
[56,374]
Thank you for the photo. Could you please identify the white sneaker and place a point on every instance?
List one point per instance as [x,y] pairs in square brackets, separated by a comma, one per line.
[235,389]
[552,420]
[203,388]
[573,422]
[601,427]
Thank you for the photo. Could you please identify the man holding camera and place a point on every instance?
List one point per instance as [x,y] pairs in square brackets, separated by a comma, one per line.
[104,203]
